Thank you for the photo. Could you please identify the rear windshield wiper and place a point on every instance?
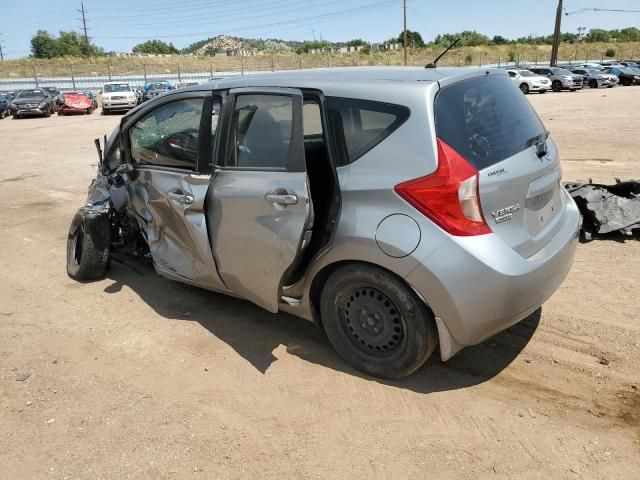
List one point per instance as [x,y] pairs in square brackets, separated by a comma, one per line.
[540,141]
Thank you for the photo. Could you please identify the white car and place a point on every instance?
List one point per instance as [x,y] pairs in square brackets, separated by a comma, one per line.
[117,96]
[528,81]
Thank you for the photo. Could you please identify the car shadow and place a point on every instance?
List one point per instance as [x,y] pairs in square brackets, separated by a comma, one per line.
[255,333]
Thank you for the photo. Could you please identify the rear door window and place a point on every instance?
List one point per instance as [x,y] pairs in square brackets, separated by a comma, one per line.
[360,125]
[485,119]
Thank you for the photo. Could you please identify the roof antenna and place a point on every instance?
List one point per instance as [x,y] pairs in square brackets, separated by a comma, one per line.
[434,64]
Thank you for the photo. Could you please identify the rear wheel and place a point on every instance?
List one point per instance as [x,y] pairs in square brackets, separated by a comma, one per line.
[556,86]
[375,322]
[524,88]
[88,246]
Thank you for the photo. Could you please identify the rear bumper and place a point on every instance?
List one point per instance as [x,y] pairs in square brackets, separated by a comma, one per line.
[479,286]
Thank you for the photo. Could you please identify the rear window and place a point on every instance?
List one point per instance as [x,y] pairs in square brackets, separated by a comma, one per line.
[486,119]
[359,125]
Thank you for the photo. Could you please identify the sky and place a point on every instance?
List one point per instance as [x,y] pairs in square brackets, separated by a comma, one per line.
[118,25]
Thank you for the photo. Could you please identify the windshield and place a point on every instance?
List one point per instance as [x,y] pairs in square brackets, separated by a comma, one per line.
[30,94]
[526,73]
[560,71]
[628,71]
[593,71]
[51,89]
[117,87]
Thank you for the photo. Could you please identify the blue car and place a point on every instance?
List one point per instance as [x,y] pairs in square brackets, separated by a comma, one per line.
[5,101]
[154,89]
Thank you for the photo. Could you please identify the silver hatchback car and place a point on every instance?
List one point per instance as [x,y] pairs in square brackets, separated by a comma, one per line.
[397,208]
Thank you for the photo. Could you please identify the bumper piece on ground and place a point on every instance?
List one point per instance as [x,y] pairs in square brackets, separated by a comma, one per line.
[607,208]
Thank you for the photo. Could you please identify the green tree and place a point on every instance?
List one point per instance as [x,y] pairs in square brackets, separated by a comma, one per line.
[468,38]
[414,39]
[356,42]
[155,47]
[499,40]
[598,35]
[610,53]
[311,45]
[68,44]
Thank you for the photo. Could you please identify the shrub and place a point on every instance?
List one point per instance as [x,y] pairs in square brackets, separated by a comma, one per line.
[610,53]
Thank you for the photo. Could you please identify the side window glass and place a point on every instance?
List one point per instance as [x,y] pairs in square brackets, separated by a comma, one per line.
[512,74]
[311,119]
[360,125]
[261,131]
[168,136]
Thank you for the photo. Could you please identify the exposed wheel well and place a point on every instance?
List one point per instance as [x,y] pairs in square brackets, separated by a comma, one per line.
[318,282]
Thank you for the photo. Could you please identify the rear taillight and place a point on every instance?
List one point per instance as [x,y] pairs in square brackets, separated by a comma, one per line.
[449,196]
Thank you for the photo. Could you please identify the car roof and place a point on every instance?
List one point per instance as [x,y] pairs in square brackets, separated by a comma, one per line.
[314,78]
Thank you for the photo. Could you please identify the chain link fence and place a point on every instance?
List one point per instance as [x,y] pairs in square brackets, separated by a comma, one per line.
[93,73]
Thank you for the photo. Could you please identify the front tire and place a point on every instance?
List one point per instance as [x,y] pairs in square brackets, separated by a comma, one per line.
[556,86]
[524,88]
[88,246]
[375,322]
[593,83]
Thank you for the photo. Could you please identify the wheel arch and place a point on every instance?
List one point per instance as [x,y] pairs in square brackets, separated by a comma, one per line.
[320,278]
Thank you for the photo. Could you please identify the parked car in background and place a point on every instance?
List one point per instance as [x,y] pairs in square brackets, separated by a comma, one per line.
[155,89]
[32,102]
[626,75]
[596,78]
[117,96]
[75,102]
[637,62]
[591,66]
[629,64]
[528,81]
[11,94]
[5,101]
[55,94]
[611,63]
[139,91]
[93,98]
[187,84]
[561,79]
[306,213]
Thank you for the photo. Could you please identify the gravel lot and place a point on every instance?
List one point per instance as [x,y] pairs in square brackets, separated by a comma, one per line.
[137,377]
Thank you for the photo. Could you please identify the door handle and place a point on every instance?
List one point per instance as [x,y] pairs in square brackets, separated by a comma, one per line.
[180,197]
[281,198]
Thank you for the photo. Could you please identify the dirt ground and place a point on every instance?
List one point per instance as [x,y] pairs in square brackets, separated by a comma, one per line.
[138,377]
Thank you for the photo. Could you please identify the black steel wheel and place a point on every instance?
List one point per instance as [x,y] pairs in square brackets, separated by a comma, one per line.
[375,322]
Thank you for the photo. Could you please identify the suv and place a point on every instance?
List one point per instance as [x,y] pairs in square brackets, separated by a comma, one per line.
[395,207]
[627,75]
[528,81]
[117,96]
[36,101]
[596,78]
[561,79]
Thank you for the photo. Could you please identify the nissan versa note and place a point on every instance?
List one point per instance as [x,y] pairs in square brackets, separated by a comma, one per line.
[397,208]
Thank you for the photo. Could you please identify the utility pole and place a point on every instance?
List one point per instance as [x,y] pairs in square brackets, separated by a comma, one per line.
[84,25]
[1,54]
[556,35]
[404,32]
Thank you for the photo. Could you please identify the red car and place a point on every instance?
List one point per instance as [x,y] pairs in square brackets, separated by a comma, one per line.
[75,102]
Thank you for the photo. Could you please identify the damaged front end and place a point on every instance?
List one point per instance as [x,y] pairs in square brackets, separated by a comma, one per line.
[607,208]
[108,196]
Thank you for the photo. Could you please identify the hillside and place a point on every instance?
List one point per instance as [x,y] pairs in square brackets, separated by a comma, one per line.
[224,43]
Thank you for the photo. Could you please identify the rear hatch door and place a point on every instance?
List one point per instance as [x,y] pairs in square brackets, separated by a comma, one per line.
[492,125]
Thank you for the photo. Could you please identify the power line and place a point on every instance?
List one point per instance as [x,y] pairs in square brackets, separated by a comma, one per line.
[610,10]
[346,12]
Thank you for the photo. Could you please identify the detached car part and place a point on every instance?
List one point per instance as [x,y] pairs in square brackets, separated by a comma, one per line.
[607,208]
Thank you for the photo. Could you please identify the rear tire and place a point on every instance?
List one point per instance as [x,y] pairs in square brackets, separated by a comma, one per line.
[88,246]
[375,322]
[524,88]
